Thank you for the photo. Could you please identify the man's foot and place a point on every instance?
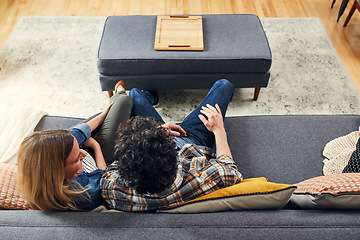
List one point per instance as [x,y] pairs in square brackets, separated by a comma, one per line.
[155,95]
[120,86]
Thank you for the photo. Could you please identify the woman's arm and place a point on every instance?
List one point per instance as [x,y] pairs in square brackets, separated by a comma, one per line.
[99,119]
[99,157]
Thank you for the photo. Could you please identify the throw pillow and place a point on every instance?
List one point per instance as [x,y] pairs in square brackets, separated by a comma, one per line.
[337,164]
[339,151]
[336,191]
[10,197]
[353,165]
[252,193]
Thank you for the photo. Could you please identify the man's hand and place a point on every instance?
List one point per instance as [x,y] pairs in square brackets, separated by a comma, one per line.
[174,130]
[214,122]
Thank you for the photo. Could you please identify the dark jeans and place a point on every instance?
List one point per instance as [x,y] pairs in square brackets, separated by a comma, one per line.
[221,93]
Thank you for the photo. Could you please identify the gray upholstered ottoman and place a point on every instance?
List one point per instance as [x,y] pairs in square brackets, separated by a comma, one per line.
[235,48]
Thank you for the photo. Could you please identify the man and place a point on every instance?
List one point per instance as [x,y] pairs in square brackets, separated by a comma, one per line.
[162,165]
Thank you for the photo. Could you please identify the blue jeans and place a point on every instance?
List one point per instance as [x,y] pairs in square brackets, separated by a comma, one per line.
[221,93]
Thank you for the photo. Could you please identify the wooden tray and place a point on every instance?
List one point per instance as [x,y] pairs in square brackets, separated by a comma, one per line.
[179,33]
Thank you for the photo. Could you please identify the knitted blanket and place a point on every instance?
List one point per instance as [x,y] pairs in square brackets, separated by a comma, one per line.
[338,152]
[15,125]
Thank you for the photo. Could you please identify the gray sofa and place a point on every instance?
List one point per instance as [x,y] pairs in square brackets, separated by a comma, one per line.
[284,149]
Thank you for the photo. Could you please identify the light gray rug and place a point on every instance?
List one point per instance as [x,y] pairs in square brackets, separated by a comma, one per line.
[49,63]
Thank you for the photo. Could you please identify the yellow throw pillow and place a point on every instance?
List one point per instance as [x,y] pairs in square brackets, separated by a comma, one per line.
[252,193]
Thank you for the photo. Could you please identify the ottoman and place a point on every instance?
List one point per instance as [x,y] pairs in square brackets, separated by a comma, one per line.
[235,48]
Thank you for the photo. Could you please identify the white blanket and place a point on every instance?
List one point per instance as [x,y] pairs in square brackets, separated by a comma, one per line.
[15,125]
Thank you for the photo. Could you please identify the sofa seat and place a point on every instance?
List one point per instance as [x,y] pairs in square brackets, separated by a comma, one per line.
[284,149]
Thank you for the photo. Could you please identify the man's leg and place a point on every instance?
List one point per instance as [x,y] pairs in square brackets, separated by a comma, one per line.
[220,93]
[143,104]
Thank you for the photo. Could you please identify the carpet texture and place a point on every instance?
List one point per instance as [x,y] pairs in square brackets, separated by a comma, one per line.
[49,63]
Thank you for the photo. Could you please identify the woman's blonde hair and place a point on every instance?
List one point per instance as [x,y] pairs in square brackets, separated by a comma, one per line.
[40,176]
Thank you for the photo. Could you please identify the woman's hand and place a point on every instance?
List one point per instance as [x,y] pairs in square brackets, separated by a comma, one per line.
[174,130]
[99,157]
[105,111]
[92,143]
[99,119]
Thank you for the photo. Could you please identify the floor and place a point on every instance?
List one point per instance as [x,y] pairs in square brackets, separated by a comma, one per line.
[345,40]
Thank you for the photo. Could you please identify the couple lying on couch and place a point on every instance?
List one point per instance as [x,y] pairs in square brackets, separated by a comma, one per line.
[141,164]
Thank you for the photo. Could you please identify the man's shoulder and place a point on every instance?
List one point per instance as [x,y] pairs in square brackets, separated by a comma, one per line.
[110,176]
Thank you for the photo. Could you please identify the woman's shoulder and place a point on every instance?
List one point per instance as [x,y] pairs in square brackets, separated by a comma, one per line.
[91,182]
[86,178]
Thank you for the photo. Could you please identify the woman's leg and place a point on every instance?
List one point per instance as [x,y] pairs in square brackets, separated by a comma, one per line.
[106,133]
[220,93]
[143,104]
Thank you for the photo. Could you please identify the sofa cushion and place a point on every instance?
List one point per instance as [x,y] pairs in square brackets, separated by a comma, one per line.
[286,149]
[56,122]
[336,191]
[253,193]
[10,197]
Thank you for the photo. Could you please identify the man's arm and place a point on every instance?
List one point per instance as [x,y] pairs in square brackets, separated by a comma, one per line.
[222,146]
[215,124]
[174,130]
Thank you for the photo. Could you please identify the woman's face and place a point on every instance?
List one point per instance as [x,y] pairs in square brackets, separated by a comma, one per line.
[73,164]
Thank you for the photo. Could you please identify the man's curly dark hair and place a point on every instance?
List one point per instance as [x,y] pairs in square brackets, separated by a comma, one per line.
[145,155]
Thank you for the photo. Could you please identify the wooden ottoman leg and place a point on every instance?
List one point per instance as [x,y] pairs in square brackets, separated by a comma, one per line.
[351,12]
[256,93]
[110,93]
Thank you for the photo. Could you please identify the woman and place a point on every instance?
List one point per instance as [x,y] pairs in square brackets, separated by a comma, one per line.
[51,174]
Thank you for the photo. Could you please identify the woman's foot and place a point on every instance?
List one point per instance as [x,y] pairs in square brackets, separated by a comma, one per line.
[120,86]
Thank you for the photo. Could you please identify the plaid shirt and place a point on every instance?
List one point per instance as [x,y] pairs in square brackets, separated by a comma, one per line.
[198,173]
